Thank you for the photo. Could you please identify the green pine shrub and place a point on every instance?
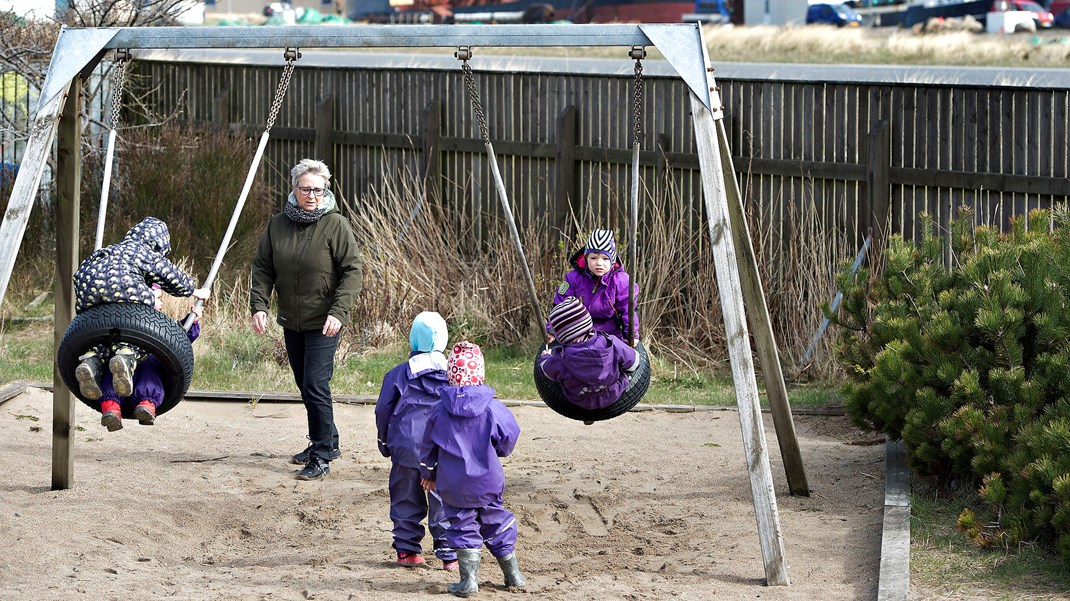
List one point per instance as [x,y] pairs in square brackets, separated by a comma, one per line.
[968,365]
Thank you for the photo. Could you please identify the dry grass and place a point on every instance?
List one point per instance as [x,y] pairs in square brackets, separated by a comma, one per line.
[890,46]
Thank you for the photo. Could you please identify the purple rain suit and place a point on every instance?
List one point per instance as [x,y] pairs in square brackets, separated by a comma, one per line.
[148,379]
[605,298]
[592,373]
[467,431]
[405,403]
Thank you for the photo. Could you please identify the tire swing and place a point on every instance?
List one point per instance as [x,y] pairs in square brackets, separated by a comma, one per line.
[549,390]
[140,324]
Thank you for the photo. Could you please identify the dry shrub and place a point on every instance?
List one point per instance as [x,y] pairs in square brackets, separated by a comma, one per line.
[190,179]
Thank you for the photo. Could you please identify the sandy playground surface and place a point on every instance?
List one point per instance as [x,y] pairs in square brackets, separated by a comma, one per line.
[650,505]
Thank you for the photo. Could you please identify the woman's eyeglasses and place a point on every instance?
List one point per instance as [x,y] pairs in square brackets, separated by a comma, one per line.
[307,191]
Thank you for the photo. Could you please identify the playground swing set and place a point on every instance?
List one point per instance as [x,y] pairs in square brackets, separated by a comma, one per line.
[682,45]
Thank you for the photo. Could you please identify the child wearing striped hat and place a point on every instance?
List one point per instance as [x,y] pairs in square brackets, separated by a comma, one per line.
[599,281]
[467,432]
[592,367]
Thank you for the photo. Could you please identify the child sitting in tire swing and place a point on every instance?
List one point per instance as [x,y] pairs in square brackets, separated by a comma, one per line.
[592,367]
[601,284]
[148,389]
[123,273]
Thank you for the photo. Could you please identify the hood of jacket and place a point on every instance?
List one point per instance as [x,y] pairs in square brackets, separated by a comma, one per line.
[591,361]
[151,232]
[466,401]
[427,372]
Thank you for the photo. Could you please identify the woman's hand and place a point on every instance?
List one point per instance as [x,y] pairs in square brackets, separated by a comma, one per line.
[332,326]
[260,322]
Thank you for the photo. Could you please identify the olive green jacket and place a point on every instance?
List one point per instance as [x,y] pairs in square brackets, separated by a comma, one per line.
[313,267]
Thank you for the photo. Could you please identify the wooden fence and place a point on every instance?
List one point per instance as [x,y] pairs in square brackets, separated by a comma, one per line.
[564,136]
[849,155]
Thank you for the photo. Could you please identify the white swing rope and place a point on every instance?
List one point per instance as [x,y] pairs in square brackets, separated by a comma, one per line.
[122,55]
[291,55]
[463,54]
[638,53]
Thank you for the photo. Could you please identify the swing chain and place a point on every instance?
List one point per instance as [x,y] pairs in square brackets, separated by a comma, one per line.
[638,53]
[122,55]
[463,54]
[291,55]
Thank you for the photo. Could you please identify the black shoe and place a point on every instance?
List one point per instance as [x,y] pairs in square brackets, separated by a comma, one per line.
[314,470]
[302,457]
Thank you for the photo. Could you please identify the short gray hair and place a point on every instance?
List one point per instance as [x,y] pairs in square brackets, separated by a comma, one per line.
[307,166]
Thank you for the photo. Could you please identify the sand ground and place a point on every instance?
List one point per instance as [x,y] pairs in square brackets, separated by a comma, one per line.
[203,505]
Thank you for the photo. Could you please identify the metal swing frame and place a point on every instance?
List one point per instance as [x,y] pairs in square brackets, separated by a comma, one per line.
[78,50]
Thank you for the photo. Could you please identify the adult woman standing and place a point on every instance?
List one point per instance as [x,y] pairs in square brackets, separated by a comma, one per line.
[308,256]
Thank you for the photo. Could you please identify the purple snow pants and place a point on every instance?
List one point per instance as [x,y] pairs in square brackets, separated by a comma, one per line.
[473,527]
[409,505]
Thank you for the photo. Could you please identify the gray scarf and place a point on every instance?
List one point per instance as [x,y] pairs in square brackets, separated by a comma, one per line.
[296,213]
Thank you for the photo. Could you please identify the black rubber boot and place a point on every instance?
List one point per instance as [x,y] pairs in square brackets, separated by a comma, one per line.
[468,564]
[511,569]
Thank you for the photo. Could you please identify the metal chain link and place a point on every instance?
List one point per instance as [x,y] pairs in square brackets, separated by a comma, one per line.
[280,91]
[477,107]
[118,83]
[637,102]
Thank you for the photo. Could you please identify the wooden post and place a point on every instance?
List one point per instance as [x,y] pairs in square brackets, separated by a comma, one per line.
[68,187]
[760,322]
[432,149]
[565,162]
[722,241]
[221,110]
[325,130]
[878,165]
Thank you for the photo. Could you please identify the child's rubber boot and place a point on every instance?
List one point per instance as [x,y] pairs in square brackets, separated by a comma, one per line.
[122,367]
[450,565]
[111,416]
[88,375]
[468,564]
[511,569]
[145,412]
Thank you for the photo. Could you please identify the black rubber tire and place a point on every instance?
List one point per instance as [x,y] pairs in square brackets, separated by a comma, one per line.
[554,397]
[140,325]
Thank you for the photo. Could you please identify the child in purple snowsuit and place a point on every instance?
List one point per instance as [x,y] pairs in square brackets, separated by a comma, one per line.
[467,431]
[408,394]
[148,389]
[592,367]
[599,281]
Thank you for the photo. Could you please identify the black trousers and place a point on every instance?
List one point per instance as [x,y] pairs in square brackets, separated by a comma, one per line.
[311,356]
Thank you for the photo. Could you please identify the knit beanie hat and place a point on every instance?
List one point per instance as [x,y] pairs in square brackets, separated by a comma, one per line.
[428,333]
[570,321]
[465,366]
[601,241]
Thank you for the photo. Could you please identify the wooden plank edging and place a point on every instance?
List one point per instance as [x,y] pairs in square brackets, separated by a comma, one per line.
[13,389]
[894,581]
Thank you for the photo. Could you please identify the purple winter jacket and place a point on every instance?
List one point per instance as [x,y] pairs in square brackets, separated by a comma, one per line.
[592,373]
[467,432]
[605,298]
[405,403]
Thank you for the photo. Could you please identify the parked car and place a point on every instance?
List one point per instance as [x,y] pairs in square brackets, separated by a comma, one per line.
[1041,15]
[836,14]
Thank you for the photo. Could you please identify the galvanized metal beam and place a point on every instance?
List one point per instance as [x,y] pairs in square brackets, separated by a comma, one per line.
[680,43]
